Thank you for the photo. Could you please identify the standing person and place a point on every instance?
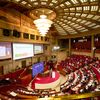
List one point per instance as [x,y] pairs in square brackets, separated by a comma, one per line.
[54,61]
[51,65]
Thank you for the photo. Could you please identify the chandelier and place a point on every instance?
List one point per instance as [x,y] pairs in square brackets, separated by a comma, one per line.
[43,24]
[42,19]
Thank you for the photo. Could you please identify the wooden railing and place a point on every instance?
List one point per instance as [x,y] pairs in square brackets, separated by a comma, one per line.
[64,97]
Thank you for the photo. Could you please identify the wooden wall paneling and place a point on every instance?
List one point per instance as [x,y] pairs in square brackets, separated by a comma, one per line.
[1,70]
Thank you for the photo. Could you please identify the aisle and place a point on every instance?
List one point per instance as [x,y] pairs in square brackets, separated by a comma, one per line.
[63,79]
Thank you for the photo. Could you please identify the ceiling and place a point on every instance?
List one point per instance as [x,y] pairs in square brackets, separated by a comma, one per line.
[70,16]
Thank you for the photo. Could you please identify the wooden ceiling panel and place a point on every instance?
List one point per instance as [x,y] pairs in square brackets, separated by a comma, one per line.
[72,16]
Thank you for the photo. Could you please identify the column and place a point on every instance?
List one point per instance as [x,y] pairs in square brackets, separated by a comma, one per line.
[92,46]
[69,47]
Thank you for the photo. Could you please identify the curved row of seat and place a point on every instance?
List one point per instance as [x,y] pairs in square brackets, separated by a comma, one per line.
[95,66]
[73,63]
[16,91]
[82,79]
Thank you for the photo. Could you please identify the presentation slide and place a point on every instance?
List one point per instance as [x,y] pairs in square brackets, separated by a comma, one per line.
[22,51]
[37,68]
[38,49]
[5,50]
[2,51]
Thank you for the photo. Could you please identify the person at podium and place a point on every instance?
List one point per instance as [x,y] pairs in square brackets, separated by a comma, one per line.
[51,67]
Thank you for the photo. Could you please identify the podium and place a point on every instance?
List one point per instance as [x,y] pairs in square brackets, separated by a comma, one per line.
[53,74]
[48,81]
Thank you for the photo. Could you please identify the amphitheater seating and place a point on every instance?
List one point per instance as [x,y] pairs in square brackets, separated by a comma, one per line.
[12,75]
[95,66]
[86,83]
[25,80]
[82,78]
[25,77]
[73,63]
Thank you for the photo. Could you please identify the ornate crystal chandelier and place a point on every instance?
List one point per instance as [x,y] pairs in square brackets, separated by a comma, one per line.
[43,24]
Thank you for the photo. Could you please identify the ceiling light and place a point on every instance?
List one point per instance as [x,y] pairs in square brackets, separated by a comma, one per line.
[43,24]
